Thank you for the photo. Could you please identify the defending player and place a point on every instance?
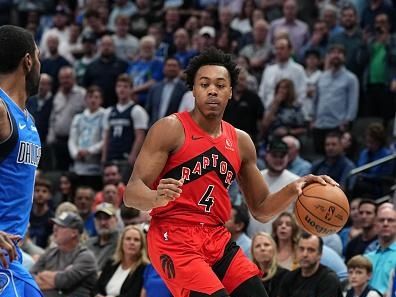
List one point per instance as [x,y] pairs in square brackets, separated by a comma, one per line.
[183,171]
[19,155]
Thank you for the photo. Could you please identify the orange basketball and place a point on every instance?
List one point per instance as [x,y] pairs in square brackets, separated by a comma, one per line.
[322,209]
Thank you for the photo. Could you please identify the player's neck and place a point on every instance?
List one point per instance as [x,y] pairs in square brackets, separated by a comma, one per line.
[14,86]
[210,126]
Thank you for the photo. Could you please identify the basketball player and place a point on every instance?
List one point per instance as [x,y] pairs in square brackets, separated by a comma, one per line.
[183,171]
[19,155]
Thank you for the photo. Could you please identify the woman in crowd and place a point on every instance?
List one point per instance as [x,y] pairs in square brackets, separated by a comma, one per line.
[122,276]
[264,255]
[285,233]
[284,114]
[67,189]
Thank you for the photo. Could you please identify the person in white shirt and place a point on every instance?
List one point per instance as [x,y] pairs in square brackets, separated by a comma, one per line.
[284,67]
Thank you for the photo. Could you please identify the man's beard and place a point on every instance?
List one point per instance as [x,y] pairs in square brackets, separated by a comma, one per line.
[32,82]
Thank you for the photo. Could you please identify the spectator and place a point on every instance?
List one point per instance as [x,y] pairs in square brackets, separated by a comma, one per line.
[276,176]
[145,70]
[69,269]
[153,285]
[171,24]
[285,233]
[126,45]
[143,18]
[83,201]
[129,215]
[312,277]
[245,110]
[379,57]
[104,70]
[258,51]
[40,227]
[121,7]
[332,259]
[242,22]
[125,128]
[183,51]
[88,56]
[297,164]
[111,175]
[312,63]
[284,112]
[225,16]
[164,97]
[336,102]
[371,182]
[319,40]
[237,225]
[351,38]
[104,245]
[359,274]
[298,30]
[53,62]
[251,83]
[86,139]
[283,68]
[122,275]
[355,228]
[265,257]
[95,24]
[372,10]
[68,101]
[350,145]
[206,38]
[384,257]
[330,17]
[40,106]
[67,188]
[358,245]
[335,163]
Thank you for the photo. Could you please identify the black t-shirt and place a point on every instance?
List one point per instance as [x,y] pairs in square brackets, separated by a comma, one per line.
[357,246]
[272,285]
[323,283]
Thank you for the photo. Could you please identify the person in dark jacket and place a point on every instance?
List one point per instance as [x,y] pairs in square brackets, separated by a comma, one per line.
[123,275]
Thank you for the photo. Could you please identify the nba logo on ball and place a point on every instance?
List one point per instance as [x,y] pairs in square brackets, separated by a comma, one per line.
[322,209]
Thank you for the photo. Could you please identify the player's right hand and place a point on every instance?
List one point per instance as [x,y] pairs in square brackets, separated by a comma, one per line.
[169,189]
[7,248]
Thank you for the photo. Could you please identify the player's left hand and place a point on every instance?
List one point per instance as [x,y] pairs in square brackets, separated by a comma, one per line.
[7,247]
[302,182]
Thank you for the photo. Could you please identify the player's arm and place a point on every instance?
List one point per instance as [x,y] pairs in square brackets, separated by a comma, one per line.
[163,138]
[263,204]
[5,125]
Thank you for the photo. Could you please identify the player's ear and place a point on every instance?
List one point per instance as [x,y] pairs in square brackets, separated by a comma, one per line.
[230,94]
[27,62]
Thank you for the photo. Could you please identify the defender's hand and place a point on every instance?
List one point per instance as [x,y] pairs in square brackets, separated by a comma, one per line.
[169,189]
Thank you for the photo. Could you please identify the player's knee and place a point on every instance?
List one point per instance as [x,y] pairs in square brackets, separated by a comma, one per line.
[253,287]
[219,293]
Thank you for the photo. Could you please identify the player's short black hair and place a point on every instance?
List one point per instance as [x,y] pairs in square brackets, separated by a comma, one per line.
[241,216]
[15,43]
[211,56]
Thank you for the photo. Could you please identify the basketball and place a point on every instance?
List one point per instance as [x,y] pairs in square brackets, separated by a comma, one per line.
[321,209]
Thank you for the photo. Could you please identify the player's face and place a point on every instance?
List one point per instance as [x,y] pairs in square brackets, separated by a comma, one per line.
[308,252]
[367,215]
[83,200]
[284,229]
[212,90]
[263,250]
[358,277]
[132,243]
[33,76]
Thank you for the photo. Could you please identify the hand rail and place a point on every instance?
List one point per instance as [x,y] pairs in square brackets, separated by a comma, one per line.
[372,164]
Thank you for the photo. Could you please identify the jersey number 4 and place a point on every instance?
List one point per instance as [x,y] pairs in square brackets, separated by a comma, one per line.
[207,200]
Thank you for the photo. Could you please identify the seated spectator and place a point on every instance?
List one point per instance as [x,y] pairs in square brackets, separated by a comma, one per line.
[312,278]
[350,145]
[359,274]
[284,112]
[67,188]
[111,175]
[334,163]
[371,181]
[122,275]
[264,255]
[285,233]
[384,257]
[104,245]
[297,164]
[83,201]
[40,227]
[358,245]
[86,139]
[312,71]
[354,227]
[68,269]
[237,225]
[183,51]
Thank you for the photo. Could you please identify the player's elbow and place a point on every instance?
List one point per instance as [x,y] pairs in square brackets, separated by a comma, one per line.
[260,217]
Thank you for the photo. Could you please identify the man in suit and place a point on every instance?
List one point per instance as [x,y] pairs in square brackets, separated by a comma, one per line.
[164,97]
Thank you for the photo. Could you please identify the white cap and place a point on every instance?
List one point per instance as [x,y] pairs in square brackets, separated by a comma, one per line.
[207,30]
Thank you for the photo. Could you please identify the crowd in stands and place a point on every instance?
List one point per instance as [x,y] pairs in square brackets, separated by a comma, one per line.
[316,93]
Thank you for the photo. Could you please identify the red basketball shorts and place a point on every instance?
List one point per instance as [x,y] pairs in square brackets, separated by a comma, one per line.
[197,258]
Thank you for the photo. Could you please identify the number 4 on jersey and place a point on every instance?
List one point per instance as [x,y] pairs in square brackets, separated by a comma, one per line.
[206,199]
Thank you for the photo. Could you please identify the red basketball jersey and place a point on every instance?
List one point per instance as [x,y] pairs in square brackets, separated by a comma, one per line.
[208,166]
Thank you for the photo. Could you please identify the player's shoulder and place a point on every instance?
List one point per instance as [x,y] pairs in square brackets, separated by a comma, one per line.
[169,125]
